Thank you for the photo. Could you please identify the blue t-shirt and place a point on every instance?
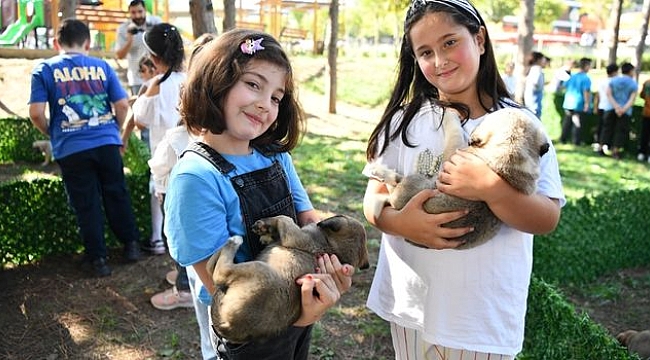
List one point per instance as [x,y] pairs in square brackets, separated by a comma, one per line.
[202,208]
[79,90]
[577,84]
[622,88]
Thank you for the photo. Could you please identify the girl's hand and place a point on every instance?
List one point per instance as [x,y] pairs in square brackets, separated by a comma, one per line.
[342,274]
[426,229]
[467,176]
[319,293]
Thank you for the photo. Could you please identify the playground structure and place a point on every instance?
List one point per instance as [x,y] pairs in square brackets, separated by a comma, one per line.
[104,17]
[31,15]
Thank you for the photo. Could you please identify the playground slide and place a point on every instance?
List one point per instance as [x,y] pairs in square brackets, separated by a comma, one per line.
[19,29]
[15,32]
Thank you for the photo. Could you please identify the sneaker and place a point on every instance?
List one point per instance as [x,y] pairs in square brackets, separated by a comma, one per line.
[640,157]
[132,251]
[156,247]
[171,277]
[99,266]
[172,299]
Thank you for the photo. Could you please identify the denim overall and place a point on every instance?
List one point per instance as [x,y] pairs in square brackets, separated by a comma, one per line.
[262,193]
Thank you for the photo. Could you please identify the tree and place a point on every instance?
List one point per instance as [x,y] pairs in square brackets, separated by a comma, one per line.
[332,53]
[616,20]
[525,41]
[67,8]
[229,15]
[640,47]
[202,15]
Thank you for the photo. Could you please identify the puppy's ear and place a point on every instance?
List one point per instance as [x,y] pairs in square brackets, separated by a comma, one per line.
[544,149]
[333,223]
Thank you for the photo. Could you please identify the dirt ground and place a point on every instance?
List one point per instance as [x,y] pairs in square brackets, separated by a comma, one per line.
[51,310]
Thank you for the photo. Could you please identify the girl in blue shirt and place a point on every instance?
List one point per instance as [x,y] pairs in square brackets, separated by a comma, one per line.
[239,99]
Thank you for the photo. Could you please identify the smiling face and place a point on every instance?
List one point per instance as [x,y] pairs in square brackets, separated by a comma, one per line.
[448,55]
[252,104]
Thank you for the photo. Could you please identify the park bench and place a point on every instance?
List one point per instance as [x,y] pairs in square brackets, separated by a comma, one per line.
[249,25]
[102,21]
[293,34]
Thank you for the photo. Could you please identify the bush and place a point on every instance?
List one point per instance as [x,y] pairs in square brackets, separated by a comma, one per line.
[554,330]
[35,219]
[595,236]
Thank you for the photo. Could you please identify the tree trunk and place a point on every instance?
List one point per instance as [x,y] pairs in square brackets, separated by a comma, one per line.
[616,19]
[640,47]
[202,15]
[229,15]
[525,42]
[67,9]
[332,53]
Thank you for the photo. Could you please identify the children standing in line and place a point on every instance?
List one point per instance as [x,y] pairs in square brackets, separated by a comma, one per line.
[240,100]
[445,303]
[157,108]
[161,163]
[621,94]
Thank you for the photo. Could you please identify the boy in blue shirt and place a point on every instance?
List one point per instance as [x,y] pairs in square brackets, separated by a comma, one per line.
[577,100]
[81,93]
[621,94]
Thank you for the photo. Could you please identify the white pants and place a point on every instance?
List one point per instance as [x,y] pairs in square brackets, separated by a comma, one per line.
[202,316]
[409,344]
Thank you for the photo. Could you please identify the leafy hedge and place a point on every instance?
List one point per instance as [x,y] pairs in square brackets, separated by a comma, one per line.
[596,235]
[35,219]
[554,330]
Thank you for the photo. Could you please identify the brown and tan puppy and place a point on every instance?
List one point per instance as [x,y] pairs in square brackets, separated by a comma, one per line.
[508,140]
[636,342]
[259,299]
[45,148]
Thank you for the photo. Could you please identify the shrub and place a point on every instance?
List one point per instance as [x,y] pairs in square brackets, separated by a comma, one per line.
[596,235]
[35,220]
[554,330]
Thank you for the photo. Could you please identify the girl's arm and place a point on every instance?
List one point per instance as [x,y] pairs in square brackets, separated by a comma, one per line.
[467,176]
[412,222]
[206,278]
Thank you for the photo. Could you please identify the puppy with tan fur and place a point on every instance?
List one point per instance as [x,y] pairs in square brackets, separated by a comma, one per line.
[508,140]
[259,299]
[636,342]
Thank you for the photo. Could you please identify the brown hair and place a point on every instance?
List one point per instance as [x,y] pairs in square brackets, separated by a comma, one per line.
[218,68]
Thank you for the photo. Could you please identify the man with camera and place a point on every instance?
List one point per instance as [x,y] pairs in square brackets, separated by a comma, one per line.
[130,44]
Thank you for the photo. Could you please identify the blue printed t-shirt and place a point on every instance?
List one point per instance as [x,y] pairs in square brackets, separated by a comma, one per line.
[79,90]
[574,98]
[622,88]
[202,209]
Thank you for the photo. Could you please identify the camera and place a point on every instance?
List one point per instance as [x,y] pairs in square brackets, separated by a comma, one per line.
[134,30]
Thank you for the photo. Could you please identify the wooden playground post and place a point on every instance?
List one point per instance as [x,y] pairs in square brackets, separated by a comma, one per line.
[54,14]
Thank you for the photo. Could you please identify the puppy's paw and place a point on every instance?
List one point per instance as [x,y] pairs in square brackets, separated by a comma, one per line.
[262,227]
[236,240]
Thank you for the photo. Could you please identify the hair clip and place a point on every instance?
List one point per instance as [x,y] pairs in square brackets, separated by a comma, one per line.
[251,46]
